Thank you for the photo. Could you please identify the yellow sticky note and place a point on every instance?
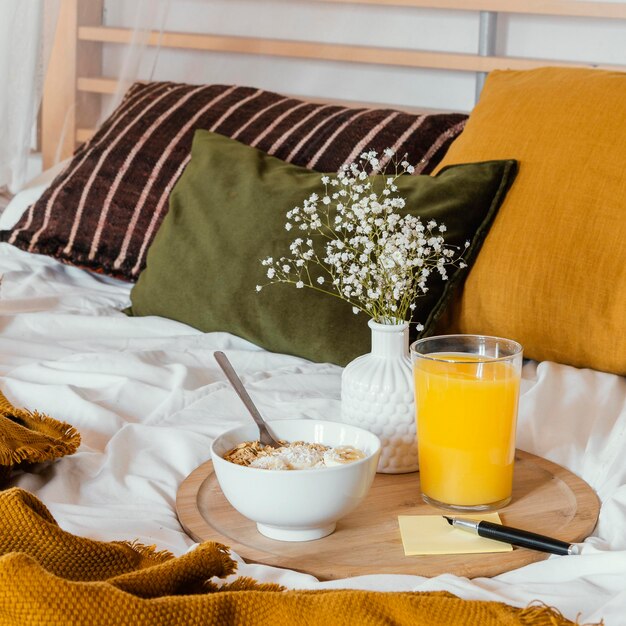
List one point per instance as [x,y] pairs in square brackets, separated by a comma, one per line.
[431,534]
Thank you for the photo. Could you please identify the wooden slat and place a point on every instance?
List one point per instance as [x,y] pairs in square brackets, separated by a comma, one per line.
[58,110]
[326,52]
[84,134]
[96,84]
[562,8]
[63,108]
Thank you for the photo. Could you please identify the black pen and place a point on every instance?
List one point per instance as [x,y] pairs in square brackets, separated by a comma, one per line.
[514,536]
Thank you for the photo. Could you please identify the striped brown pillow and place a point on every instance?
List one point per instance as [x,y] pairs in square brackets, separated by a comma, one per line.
[103,211]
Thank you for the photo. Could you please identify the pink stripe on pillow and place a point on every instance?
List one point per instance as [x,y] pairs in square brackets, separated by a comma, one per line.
[399,143]
[167,153]
[276,123]
[127,164]
[92,177]
[256,116]
[286,136]
[313,131]
[366,141]
[445,136]
[313,162]
[136,100]
[150,231]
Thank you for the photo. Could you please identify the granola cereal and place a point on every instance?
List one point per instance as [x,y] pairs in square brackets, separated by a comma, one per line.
[292,456]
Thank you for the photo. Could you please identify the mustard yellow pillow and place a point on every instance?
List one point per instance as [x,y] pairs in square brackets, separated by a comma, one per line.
[552,271]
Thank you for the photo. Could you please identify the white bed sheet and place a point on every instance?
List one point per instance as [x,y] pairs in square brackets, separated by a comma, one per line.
[148,398]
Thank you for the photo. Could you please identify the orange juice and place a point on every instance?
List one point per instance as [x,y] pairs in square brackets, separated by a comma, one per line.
[466,418]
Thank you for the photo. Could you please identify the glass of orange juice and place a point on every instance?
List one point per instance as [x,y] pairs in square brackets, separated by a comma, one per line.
[466,397]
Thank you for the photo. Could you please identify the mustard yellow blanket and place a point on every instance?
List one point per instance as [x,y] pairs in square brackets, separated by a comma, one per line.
[30,437]
[51,577]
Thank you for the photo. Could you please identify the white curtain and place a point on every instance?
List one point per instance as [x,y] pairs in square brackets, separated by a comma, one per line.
[27,30]
[26,34]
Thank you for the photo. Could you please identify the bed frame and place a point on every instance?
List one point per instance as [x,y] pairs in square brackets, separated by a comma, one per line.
[74,82]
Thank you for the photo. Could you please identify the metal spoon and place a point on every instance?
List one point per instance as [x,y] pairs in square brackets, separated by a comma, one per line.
[265,436]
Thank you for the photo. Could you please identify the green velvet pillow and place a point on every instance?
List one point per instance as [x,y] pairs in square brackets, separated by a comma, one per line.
[227,212]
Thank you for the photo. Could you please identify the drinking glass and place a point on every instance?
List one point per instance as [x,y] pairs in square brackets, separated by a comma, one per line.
[466,399]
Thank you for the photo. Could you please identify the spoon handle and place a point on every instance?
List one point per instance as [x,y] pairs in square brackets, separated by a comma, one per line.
[265,437]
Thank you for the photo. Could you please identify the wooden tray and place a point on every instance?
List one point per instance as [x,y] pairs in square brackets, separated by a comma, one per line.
[547,499]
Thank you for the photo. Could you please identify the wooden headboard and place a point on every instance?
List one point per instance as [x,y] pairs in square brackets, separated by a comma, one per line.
[75,84]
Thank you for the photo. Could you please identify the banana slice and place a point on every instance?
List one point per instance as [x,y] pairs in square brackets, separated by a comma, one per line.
[342,455]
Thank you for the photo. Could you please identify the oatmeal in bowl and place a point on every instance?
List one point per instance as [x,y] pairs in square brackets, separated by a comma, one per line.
[299,491]
[296,455]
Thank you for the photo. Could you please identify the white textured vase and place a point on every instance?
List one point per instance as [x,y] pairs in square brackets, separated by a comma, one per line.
[377,394]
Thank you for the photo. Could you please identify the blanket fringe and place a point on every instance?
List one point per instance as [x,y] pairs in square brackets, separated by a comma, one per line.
[44,437]
[245,583]
[541,614]
[147,552]
[229,565]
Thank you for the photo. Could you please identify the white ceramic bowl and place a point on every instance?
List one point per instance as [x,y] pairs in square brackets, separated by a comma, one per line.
[297,505]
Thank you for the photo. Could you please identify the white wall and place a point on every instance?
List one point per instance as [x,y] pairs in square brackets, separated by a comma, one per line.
[580,39]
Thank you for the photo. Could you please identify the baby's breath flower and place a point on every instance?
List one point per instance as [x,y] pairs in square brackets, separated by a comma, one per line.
[375,255]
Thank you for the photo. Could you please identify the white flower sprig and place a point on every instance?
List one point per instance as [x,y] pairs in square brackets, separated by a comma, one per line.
[367,253]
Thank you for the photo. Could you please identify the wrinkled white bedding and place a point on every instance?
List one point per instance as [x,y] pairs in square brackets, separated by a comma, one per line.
[148,398]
